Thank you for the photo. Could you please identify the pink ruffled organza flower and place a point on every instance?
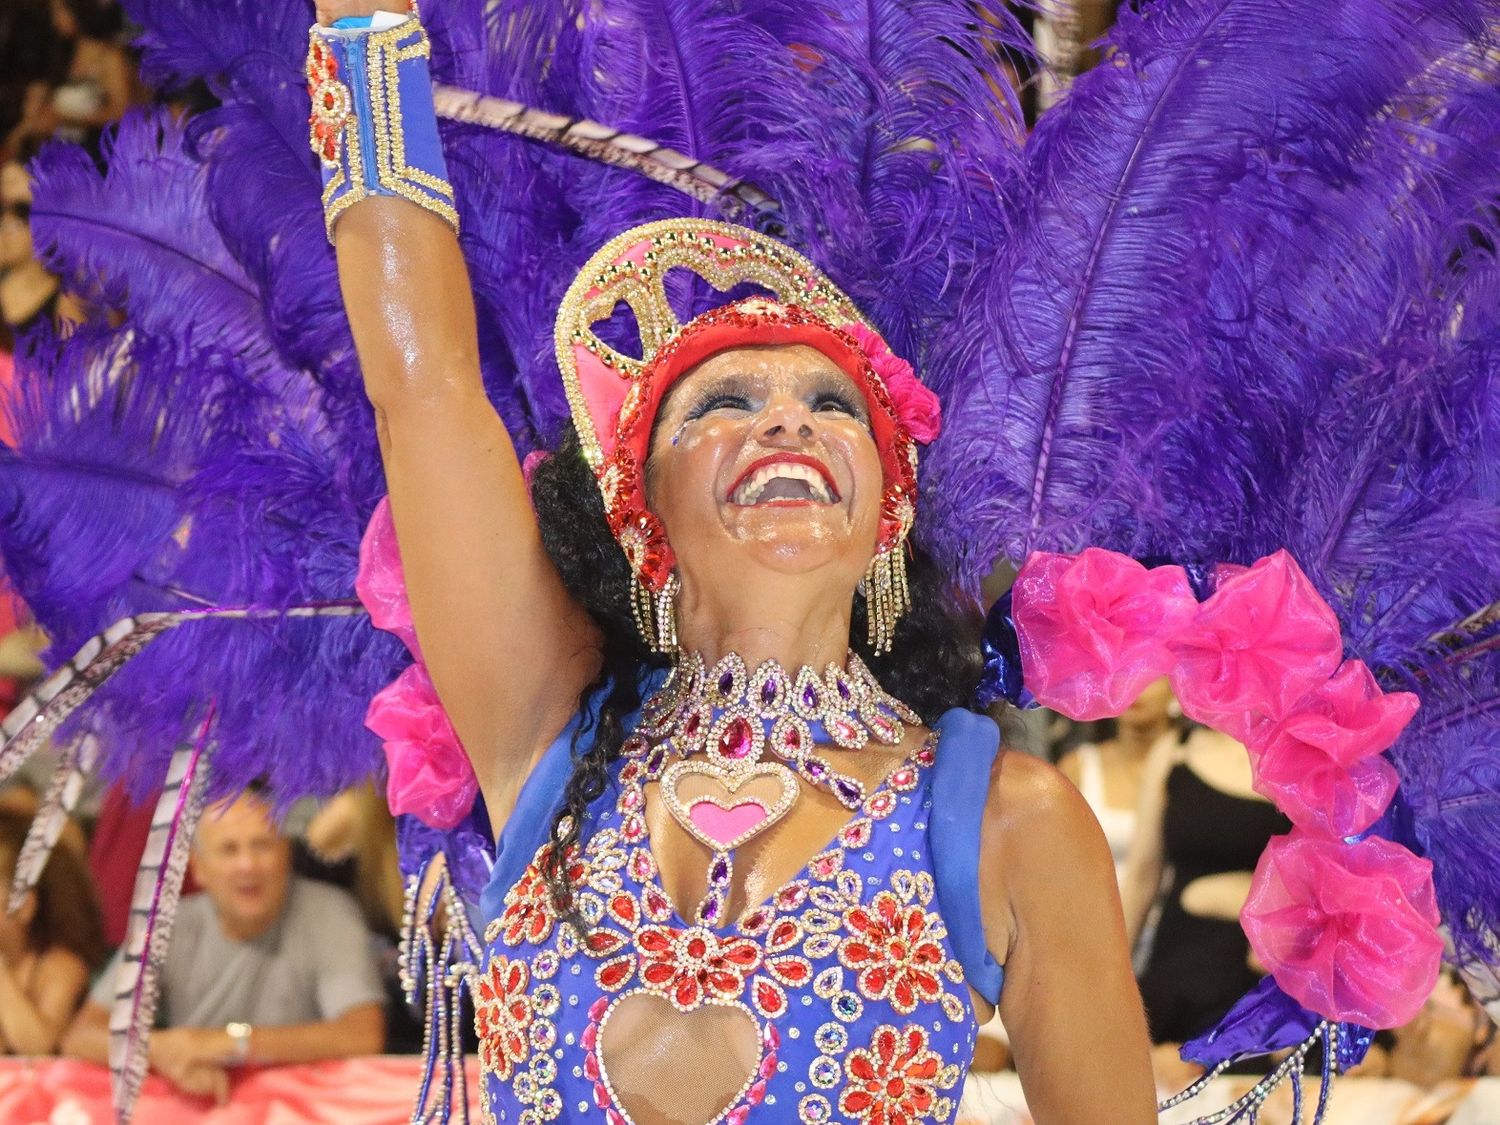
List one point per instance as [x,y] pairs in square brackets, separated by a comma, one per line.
[381,583]
[1349,931]
[916,406]
[1259,644]
[1321,763]
[429,773]
[1096,628]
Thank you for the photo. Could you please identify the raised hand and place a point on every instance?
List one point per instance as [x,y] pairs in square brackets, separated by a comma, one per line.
[330,10]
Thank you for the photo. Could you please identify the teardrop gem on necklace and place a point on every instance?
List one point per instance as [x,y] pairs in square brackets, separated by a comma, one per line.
[737,739]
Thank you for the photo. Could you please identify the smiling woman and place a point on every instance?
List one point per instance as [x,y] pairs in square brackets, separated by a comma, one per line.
[747,829]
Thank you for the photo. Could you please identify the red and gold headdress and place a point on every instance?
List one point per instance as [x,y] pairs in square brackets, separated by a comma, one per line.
[614,397]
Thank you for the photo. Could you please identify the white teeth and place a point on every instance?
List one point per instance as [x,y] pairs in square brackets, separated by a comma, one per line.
[751,488]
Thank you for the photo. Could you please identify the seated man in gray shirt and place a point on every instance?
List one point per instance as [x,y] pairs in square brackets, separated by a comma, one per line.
[263,967]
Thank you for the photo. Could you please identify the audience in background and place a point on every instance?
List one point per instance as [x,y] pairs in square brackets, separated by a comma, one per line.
[48,947]
[353,837]
[85,82]
[1201,819]
[1109,773]
[263,967]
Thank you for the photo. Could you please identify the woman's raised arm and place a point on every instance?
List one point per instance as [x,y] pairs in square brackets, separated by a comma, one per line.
[508,649]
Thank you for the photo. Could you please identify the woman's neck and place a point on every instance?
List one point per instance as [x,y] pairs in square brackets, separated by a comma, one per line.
[791,630]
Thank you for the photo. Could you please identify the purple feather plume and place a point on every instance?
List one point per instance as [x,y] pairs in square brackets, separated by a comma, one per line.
[1099,412]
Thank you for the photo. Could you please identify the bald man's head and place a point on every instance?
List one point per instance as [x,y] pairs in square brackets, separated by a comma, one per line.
[244,864]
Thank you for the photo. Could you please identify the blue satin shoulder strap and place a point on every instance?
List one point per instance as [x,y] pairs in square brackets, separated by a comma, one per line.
[960,787]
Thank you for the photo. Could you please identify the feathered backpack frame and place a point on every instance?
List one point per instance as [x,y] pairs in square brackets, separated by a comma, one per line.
[1235,294]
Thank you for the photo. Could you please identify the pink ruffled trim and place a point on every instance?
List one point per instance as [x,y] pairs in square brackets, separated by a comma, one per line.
[917,407]
[1322,765]
[381,583]
[429,775]
[1096,628]
[1257,646]
[1348,930]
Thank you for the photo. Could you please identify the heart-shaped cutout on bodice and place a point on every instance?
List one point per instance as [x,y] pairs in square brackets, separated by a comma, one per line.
[722,810]
[663,1066]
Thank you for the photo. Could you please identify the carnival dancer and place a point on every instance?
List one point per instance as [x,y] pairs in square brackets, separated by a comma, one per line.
[1215,349]
[761,895]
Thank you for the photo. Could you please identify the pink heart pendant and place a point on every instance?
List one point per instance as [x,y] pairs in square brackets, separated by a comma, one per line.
[724,826]
[722,810]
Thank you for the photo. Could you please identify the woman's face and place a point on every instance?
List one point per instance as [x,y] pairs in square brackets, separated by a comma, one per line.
[763,456]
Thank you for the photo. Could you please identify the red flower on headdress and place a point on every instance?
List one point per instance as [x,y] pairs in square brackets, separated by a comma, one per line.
[1349,931]
[917,408]
[1321,763]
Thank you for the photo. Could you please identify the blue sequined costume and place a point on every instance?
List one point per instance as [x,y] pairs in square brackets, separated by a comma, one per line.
[855,973]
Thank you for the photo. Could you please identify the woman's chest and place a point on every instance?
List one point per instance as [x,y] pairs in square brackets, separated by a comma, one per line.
[837,998]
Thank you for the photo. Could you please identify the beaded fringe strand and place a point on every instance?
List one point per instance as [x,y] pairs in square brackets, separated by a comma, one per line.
[656,614]
[887,597]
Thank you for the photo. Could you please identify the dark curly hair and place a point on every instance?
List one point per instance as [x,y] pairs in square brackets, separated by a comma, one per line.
[934,665]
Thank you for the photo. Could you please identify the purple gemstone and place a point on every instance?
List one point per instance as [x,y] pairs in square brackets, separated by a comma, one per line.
[817,770]
[810,697]
[768,692]
[726,681]
[720,871]
[843,688]
[847,791]
[710,910]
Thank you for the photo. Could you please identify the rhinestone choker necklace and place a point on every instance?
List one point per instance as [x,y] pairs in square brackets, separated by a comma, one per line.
[734,718]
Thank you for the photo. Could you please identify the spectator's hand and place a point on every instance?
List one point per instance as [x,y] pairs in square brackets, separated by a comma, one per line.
[331,10]
[192,1059]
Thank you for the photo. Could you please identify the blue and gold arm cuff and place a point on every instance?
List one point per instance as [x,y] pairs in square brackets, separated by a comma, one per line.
[373,127]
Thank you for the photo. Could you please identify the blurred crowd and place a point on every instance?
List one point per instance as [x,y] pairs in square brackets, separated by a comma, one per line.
[66,73]
[1177,806]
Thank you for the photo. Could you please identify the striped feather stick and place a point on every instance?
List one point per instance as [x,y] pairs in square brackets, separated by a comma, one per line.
[158,884]
[74,763]
[37,716]
[606,145]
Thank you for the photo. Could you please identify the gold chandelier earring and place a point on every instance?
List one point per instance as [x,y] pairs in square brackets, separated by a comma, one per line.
[655,613]
[887,596]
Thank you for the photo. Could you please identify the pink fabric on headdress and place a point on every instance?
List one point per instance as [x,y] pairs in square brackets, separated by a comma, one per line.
[1259,644]
[917,407]
[1348,931]
[381,583]
[1321,763]
[1095,629]
[429,774]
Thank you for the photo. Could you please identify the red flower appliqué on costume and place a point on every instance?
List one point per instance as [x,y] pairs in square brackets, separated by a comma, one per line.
[894,1081]
[528,915]
[894,951]
[502,1016]
[690,966]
